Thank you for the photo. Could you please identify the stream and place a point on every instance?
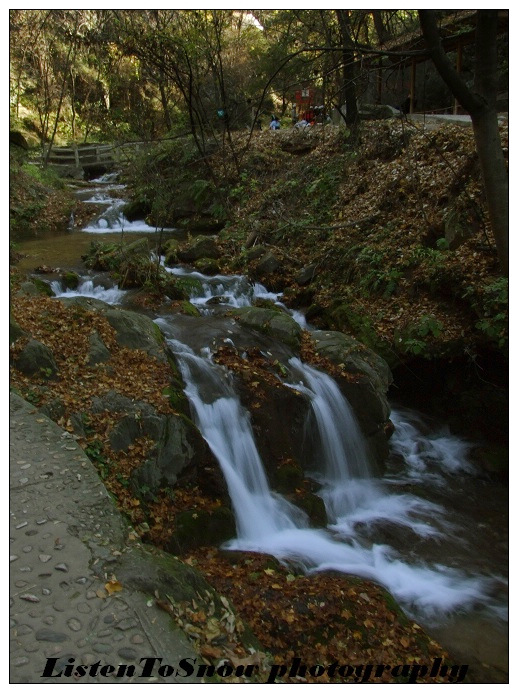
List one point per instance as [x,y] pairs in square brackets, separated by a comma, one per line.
[431,530]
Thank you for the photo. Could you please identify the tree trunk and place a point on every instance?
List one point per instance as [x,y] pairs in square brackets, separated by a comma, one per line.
[481,105]
[352,118]
[496,180]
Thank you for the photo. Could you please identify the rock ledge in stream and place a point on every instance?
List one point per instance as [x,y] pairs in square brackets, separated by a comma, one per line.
[271,322]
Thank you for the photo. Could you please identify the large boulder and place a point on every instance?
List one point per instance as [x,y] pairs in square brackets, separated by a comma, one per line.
[355,357]
[36,359]
[267,264]
[133,330]
[201,247]
[275,323]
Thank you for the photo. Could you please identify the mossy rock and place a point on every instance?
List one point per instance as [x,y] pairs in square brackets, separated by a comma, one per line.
[288,477]
[195,528]
[190,286]
[314,508]
[271,322]
[255,253]
[42,288]
[15,331]
[345,319]
[202,247]
[207,266]
[36,359]
[136,209]
[70,280]
[268,303]
[171,258]
[176,290]
[176,397]
[187,308]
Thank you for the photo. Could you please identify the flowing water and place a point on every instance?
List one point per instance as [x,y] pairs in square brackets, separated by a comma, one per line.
[87,288]
[429,530]
[353,498]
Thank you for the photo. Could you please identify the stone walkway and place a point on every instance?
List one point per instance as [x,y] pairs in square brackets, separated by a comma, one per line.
[67,541]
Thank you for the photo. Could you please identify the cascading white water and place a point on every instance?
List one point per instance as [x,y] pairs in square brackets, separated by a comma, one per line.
[112,220]
[350,493]
[86,288]
[235,291]
[269,524]
[226,427]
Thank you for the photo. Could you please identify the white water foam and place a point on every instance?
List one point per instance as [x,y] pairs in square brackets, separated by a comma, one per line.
[429,455]
[86,288]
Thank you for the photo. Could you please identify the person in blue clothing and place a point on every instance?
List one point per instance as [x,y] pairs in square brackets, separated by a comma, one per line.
[274,123]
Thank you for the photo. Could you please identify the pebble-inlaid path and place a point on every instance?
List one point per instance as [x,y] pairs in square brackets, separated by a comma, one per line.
[66,537]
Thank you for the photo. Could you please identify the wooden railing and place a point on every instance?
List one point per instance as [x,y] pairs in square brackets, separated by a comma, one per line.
[85,157]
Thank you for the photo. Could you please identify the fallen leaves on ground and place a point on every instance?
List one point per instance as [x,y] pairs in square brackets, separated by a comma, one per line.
[320,619]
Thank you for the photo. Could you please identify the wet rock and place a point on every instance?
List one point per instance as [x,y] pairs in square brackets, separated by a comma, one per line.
[355,356]
[180,450]
[364,383]
[136,210]
[70,280]
[314,508]
[207,266]
[36,287]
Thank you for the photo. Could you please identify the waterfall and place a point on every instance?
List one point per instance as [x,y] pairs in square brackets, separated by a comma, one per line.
[351,495]
[267,523]
[226,427]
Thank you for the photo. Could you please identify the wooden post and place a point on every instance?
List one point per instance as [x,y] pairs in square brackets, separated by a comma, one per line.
[459,70]
[76,155]
[412,85]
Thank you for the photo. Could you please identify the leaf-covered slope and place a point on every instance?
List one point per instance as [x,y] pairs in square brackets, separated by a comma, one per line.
[396,234]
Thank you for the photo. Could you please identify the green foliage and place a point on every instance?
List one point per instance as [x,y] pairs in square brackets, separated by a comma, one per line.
[44,176]
[94,450]
[416,338]
[33,396]
[491,303]
[247,185]
[422,256]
